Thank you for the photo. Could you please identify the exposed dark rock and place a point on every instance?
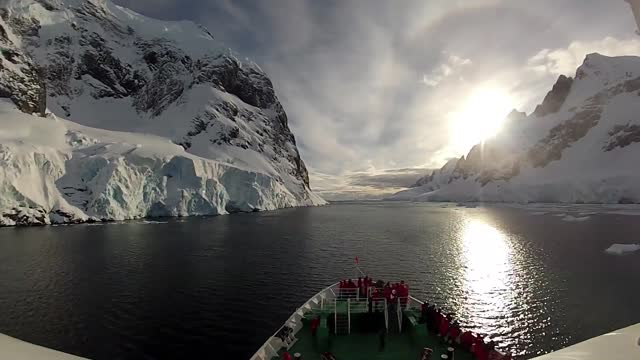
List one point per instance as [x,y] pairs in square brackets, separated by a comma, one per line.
[622,136]
[169,69]
[11,55]
[91,12]
[627,86]
[555,98]
[47,5]
[36,216]
[61,67]
[550,148]
[158,77]
[25,27]
[25,88]
[3,35]
[246,83]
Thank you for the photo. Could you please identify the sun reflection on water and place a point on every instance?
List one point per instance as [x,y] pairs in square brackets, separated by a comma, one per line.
[488,275]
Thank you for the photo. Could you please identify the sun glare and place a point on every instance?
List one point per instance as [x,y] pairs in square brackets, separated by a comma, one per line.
[480,117]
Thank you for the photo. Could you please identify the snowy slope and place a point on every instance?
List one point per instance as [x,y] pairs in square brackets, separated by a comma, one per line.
[220,143]
[582,144]
[56,170]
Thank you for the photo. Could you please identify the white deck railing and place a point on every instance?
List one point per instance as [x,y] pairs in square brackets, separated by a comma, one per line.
[320,301]
[274,343]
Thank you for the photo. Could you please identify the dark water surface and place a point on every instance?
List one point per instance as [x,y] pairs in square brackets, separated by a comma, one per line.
[220,286]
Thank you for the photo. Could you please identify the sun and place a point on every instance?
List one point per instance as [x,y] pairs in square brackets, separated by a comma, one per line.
[480,117]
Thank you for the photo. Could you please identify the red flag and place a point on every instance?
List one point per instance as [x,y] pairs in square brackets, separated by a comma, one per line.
[357,261]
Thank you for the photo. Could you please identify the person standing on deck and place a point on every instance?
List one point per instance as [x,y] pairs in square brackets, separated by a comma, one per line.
[444,327]
[315,323]
[454,333]
[423,312]
[437,319]
[431,313]
[403,290]
[479,349]
[387,292]
[466,340]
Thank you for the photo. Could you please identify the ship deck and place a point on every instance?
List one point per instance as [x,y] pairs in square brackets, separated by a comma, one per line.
[351,325]
[366,345]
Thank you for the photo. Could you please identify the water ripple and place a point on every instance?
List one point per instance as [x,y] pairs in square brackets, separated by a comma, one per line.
[219,286]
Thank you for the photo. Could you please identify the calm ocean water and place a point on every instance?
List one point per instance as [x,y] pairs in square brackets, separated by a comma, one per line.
[221,285]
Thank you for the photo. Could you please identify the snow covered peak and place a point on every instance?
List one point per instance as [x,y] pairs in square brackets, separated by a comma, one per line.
[581,144]
[600,71]
[104,66]
[105,18]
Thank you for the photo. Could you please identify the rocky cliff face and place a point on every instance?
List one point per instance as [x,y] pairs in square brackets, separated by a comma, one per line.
[579,145]
[104,66]
[20,79]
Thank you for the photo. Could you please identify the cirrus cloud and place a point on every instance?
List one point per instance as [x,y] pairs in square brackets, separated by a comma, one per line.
[450,67]
[565,61]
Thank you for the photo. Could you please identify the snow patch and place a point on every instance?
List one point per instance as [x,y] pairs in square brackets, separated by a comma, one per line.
[620,249]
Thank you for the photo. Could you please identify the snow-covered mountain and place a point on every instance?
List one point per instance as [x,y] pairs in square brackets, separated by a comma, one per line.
[159,119]
[582,144]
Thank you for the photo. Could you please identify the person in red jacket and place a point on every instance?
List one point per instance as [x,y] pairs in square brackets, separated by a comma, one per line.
[286,356]
[405,288]
[444,327]
[467,339]
[437,319]
[315,323]
[454,333]
[479,349]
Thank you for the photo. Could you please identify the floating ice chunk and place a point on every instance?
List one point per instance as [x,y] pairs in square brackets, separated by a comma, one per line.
[619,249]
[571,218]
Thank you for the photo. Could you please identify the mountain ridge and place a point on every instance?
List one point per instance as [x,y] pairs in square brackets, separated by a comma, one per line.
[103,66]
[577,146]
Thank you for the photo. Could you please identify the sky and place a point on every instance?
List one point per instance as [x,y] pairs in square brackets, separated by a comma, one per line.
[377,92]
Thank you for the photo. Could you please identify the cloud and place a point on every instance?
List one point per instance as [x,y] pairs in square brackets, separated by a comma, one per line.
[565,61]
[366,184]
[452,66]
[367,84]
[395,178]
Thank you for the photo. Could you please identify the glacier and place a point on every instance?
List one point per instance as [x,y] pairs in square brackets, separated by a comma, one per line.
[57,171]
[106,114]
[580,145]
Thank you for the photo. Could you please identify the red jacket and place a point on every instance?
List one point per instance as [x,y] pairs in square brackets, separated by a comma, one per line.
[314,325]
[467,339]
[454,332]
[480,351]
[444,326]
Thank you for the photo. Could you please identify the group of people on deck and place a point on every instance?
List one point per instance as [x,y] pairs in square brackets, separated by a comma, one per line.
[446,327]
[376,290]
[391,292]
[437,321]
[351,288]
